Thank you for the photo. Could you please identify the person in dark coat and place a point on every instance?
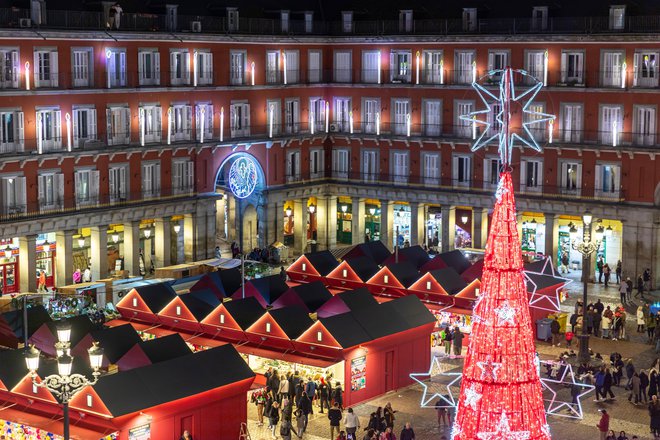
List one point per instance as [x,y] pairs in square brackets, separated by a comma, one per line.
[388,413]
[306,406]
[337,396]
[186,436]
[324,394]
[653,384]
[334,414]
[643,385]
[407,433]
[654,413]
[630,371]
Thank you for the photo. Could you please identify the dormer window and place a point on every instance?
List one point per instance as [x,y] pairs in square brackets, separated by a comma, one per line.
[469,19]
[347,21]
[90,401]
[232,19]
[406,20]
[222,318]
[134,302]
[284,21]
[540,18]
[319,336]
[617,17]
[268,327]
[178,310]
[309,22]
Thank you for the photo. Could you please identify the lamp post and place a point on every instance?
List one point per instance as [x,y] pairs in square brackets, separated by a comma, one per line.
[586,247]
[399,214]
[312,242]
[372,213]
[65,384]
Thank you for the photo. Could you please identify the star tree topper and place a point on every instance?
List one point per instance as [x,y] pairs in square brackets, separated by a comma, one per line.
[503,101]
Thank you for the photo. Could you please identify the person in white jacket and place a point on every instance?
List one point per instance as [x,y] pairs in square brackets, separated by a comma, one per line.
[605,325]
[351,423]
[283,390]
[641,319]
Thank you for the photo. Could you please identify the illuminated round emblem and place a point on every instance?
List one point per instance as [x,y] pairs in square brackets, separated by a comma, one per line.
[242,177]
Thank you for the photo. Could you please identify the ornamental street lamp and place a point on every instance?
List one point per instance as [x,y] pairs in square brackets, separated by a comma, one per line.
[399,214]
[65,384]
[586,247]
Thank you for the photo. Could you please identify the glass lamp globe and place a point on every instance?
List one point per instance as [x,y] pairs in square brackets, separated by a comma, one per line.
[95,357]
[32,359]
[64,332]
[64,365]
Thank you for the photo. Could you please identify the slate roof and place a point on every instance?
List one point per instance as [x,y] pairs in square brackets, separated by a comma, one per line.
[364,267]
[293,320]
[116,341]
[346,329]
[313,294]
[449,279]
[165,348]
[323,261]
[80,327]
[245,311]
[405,272]
[226,281]
[456,260]
[413,254]
[156,296]
[375,250]
[413,311]
[357,299]
[270,287]
[13,368]
[200,303]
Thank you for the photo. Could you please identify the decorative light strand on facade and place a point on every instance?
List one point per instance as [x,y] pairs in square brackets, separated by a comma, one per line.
[67,117]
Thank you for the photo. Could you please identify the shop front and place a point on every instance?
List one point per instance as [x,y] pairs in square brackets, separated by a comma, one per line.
[402,222]
[9,282]
[344,220]
[288,223]
[434,229]
[533,235]
[372,220]
[463,228]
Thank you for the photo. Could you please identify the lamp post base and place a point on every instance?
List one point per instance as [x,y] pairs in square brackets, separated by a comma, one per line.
[583,356]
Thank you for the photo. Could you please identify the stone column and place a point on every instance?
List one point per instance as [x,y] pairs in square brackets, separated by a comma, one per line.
[552,237]
[448,227]
[64,260]
[162,241]
[321,216]
[357,225]
[480,227]
[417,224]
[189,234]
[132,248]
[232,227]
[386,223]
[99,252]
[271,223]
[279,221]
[300,225]
[331,241]
[27,263]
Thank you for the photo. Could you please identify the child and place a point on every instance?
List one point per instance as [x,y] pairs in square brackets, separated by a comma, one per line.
[569,338]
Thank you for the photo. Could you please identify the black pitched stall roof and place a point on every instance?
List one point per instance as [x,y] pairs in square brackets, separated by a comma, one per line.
[200,303]
[346,330]
[80,327]
[245,311]
[227,281]
[411,308]
[156,296]
[313,294]
[358,299]
[456,260]
[270,287]
[405,272]
[13,369]
[37,316]
[415,255]
[165,348]
[375,250]
[116,341]
[293,320]
[365,267]
[379,321]
[134,390]
[449,279]
[323,261]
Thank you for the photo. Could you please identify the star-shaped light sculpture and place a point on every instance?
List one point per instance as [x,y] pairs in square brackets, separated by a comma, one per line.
[505,314]
[472,397]
[434,390]
[503,100]
[489,369]
[547,274]
[503,431]
[565,380]
[456,431]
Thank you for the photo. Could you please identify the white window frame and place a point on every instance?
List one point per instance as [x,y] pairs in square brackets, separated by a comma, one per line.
[433,62]
[239,119]
[370,165]
[316,163]
[151,76]
[370,108]
[470,22]
[12,131]
[317,107]
[463,128]
[574,75]
[276,105]
[341,110]
[462,177]
[232,19]
[617,20]
[238,67]
[83,132]
[498,59]
[342,73]
[341,163]
[10,69]
[370,66]
[50,190]
[181,122]
[401,66]
[570,185]
[347,21]
[540,18]
[118,124]
[82,66]
[292,115]
[51,135]
[431,127]
[273,66]
[153,122]
[531,182]
[180,67]
[14,194]
[208,121]
[611,62]
[607,115]
[115,65]
[539,130]
[491,176]
[400,166]
[183,176]
[89,195]
[118,183]
[293,165]
[314,65]
[151,183]
[645,122]
[309,22]
[645,67]
[401,108]
[406,20]
[607,190]
[292,66]
[285,15]
[46,76]
[463,60]
[430,168]
[569,133]
[535,64]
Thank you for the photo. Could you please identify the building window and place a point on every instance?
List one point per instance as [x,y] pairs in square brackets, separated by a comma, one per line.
[646,69]
[370,167]
[644,118]
[400,116]
[151,123]
[316,163]
[284,21]
[370,66]
[87,187]
[342,110]
[537,129]
[498,60]
[433,67]
[494,120]
[540,18]
[571,177]
[492,166]
[617,17]
[400,66]
[432,116]
[117,185]
[572,68]
[607,181]
[314,66]
[463,66]
[232,19]
[118,125]
[571,122]
[240,119]
[611,124]
[237,67]
[149,67]
[181,122]
[464,128]
[340,163]
[179,67]
[309,22]
[9,68]
[535,64]
[272,67]
[292,66]
[292,115]
[400,167]
[462,170]
[431,169]
[13,195]
[82,60]
[150,179]
[406,20]
[45,68]
[49,129]
[183,174]
[11,131]
[611,68]
[205,112]
[469,19]
[342,66]
[347,21]
[84,126]
[116,67]
[531,175]
[51,191]
[293,166]
[370,112]
[204,68]
[317,114]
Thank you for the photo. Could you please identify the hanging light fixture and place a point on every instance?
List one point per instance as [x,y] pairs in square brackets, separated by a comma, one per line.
[400,212]
[372,211]
[312,208]
[344,208]
[288,212]
[533,221]
[8,252]
[177,228]
[45,246]
[608,231]
[81,242]
[147,233]
[464,219]
[115,236]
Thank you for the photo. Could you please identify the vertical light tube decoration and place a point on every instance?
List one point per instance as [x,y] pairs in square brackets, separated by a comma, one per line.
[142,128]
[222,123]
[327,116]
[624,67]
[169,126]
[408,124]
[252,72]
[108,55]
[311,122]
[474,127]
[27,75]
[615,130]
[271,111]
[551,129]
[350,121]
[417,70]
[474,71]
[545,68]
[202,112]
[378,124]
[194,68]
[379,66]
[40,142]
[284,65]
[68,131]
[442,71]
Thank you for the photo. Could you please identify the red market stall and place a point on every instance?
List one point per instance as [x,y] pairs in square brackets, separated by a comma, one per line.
[224,283]
[309,296]
[46,336]
[415,255]
[374,250]
[187,310]
[152,351]
[232,318]
[312,267]
[352,273]
[12,325]
[347,301]
[266,290]
[393,280]
[144,302]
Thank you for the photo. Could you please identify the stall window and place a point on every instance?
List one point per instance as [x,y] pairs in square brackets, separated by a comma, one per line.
[178,310]
[222,318]
[268,327]
[89,400]
[134,302]
[319,336]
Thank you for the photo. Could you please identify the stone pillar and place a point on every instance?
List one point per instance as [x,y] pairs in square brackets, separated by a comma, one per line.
[552,237]
[279,221]
[189,233]
[448,228]
[232,227]
[300,225]
[321,216]
[271,223]
[27,263]
[480,227]
[162,241]
[99,252]
[417,224]
[357,225]
[331,222]
[64,260]
[132,248]
[637,249]
[211,232]
[386,222]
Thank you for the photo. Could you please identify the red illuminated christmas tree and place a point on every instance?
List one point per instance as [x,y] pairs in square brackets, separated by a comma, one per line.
[501,395]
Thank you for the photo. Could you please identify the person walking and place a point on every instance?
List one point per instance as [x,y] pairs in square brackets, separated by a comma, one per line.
[630,289]
[654,414]
[605,325]
[41,286]
[647,279]
[274,418]
[306,406]
[338,396]
[641,321]
[635,384]
[643,385]
[388,413]
[640,287]
[334,415]
[407,432]
[351,423]
[608,380]
[604,423]
[260,401]
[607,272]
[324,395]
[449,336]
[599,383]
[283,390]
[285,429]
[617,272]
[458,341]
[599,268]
[310,389]
[554,330]
[300,422]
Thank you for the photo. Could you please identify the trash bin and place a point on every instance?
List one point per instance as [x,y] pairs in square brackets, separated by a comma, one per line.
[543,332]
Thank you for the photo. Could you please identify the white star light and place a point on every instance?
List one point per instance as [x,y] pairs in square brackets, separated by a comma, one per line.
[501,190]
[503,432]
[545,429]
[553,405]
[505,314]
[489,369]
[472,397]
[429,396]
[456,431]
